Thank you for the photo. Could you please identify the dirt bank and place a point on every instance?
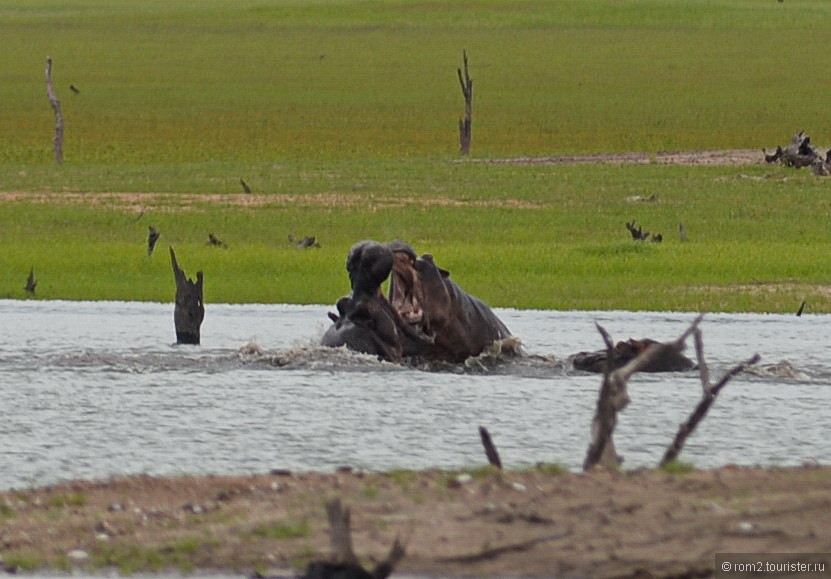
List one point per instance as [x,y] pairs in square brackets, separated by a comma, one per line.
[484,524]
[714,157]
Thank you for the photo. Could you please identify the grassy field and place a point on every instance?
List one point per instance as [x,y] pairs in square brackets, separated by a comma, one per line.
[342,116]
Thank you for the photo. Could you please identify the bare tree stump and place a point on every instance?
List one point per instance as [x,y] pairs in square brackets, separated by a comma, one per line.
[190,308]
[798,153]
[467,91]
[56,105]
[708,397]
[31,282]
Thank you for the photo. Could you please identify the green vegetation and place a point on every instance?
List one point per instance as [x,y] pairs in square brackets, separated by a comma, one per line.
[341,115]
[550,468]
[283,530]
[678,467]
[68,500]
[27,559]
[129,558]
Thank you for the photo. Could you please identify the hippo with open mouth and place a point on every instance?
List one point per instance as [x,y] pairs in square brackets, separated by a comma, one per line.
[426,315]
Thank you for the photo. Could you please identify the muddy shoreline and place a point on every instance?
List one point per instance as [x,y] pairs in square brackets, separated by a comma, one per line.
[485,523]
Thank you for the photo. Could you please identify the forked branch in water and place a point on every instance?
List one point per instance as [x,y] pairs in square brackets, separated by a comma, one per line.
[708,397]
[613,396]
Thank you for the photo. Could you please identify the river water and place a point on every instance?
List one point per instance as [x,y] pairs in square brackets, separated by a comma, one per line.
[93,389]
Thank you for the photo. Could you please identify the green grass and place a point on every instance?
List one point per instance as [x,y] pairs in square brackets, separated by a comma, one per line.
[517,236]
[678,468]
[130,558]
[344,113]
[245,81]
[68,500]
[283,530]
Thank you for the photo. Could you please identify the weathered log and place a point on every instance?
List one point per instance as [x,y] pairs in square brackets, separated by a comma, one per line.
[638,233]
[56,105]
[822,167]
[190,307]
[708,397]
[343,563]
[613,396]
[490,448]
[798,153]
[467,91]
[777,154]
[152,237]
[214,241]
[304,242]
[31,282]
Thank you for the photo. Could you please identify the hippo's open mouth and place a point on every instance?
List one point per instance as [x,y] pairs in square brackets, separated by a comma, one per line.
[406,292]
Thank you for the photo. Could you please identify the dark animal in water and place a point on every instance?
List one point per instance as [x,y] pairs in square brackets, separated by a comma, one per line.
[624,352]
[426,315]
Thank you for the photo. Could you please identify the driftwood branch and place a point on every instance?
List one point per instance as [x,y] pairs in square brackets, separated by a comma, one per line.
[344,563]
[56,105]
[800,153]
[467,91]
[190,306]
[613,396]
[490,448]
[708,397]
[340,533]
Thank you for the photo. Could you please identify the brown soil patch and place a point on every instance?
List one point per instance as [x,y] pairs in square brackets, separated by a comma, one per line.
[174,202]
[491,524]
[728,157]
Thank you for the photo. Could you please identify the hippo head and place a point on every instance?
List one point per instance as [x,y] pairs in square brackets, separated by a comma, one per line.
[435,308]
[426,314]
[419,290]
[366,321]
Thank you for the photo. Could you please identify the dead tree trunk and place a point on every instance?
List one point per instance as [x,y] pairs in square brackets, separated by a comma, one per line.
[56,105]
[190,308]
[613,397]
[708,397]
[467,91]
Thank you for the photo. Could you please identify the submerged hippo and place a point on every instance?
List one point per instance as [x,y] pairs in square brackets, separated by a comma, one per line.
[624,352]
[426,314]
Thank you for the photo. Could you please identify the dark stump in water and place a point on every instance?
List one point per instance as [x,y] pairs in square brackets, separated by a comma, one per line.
[190,308]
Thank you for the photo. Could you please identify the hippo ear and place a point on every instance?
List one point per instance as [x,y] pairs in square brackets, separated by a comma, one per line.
[343,305]
[428,257]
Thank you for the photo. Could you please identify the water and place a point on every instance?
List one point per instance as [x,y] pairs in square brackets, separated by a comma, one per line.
[93,389]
